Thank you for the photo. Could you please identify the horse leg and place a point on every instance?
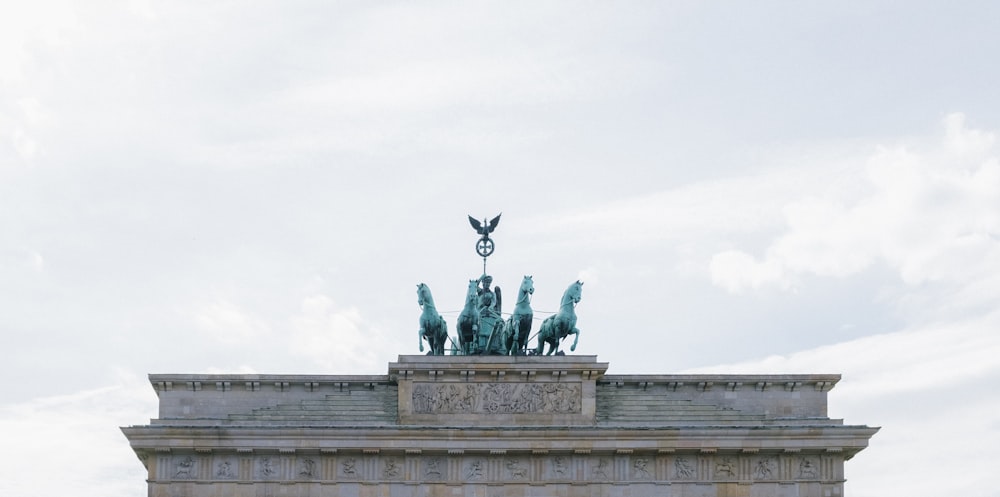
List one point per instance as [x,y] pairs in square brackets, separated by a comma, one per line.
[420,338]
[442,336]
[553,341]
[524,329]
[507,333]
[576,338]
[516,341]
[544,332]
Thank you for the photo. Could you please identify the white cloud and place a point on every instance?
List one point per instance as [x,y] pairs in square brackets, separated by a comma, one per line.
[24,145]
[18,260]
[914,384]
[229,323]
[72,444]
[911,360]
[142,8]
[244,369]
[589,275]
[28,31]
[737,271]
[37,261]
[738,204]
[23,24]
[336,338]
[965,141]
[932,215]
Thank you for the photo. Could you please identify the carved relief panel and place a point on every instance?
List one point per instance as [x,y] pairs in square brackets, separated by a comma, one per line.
[496,398]
[765,468]
[185,468]
[434,468]
[226,468]
[685,468]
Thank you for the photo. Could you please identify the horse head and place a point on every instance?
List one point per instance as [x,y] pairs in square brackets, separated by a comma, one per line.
[424,295]
[574,292]
[525,291]
[472,295]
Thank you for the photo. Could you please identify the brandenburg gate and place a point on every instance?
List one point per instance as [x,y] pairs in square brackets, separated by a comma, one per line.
[546,426]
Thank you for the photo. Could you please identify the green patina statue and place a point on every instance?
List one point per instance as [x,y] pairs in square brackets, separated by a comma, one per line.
[563,323]
[468,320]
[481,328]
[489,339]
[491,325]
[518,327]
[432,326]
[486,293]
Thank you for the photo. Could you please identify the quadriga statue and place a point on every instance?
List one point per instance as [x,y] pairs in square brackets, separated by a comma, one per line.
[432,326]
[561,324]
[518,326]
[468,320]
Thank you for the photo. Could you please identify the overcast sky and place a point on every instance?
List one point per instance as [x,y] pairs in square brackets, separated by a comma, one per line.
[242,186]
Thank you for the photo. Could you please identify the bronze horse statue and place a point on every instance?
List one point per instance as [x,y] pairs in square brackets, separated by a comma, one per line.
[518,327]
[432,326]
[561,324]
[468,320]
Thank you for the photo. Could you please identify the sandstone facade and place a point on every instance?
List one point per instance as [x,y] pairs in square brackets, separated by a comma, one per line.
[495,426]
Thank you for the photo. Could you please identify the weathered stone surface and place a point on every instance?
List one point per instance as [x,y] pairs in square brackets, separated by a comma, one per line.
[484,426]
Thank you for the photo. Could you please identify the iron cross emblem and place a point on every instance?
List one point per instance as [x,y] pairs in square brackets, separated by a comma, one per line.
[484,246]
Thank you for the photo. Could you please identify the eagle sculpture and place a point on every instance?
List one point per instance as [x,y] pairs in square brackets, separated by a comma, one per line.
[484,228]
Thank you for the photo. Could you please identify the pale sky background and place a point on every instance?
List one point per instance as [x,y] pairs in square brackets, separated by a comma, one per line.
[244,186]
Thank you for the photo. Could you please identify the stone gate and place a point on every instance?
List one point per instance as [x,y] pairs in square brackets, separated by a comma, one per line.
[489,426]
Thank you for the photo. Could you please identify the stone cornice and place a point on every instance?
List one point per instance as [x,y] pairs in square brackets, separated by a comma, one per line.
[267,382]
[847,439]
[731,382]
[498,368]
[260,382]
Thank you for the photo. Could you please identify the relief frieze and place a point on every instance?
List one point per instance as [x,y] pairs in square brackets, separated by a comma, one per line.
[307,468]
[558,466]
[684,468]
[639,469]
[515,471]
[808,468]
[185,468]
[602,469]
[224,470]
[267,469]
[496,398]
[348,467]
[432,468]
[391,468]
[725,468]
[475,470]
[765,468]
[505,467]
